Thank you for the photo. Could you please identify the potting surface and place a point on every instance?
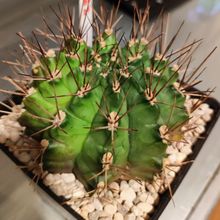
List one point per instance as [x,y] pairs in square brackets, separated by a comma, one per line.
[199,190]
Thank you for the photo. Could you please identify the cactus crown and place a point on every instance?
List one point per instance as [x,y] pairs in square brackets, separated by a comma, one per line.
[110,110]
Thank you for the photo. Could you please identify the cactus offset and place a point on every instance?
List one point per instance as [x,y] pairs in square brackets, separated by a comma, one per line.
[107,111]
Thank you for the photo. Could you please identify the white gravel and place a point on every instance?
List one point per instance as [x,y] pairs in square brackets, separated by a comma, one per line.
[123,200]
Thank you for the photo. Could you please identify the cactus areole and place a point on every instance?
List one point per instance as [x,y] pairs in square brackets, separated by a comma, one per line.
[104,112]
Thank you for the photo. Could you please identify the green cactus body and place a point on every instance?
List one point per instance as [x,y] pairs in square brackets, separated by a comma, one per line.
[104,100]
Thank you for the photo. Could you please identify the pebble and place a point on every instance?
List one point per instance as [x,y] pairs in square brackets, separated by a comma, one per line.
[114,187]
[145,207]
[118,216]
[135,185]
[150,187]
[200,129]
[106,218]
[123,209]
[186,149]
[136,210]
[124,185]
[94,215]
[78,194]
[150,199]
[110,209]
[171,149]
[68,177]
[130,216]
[128,204]
[48,180]
[128,194]
[84,213]
[177,158]
[98,205]
[89,207]
[146,197]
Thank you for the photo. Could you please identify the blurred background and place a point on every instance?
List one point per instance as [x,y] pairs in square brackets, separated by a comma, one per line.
[202,20]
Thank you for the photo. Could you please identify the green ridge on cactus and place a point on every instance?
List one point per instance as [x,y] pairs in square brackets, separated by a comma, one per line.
[106,99]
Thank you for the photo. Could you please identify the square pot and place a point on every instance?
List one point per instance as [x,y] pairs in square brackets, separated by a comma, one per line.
[165,197]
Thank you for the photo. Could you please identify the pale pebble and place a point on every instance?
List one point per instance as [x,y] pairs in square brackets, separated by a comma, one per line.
[118,216]
[128,194]
[136,211]
[98,205]
[110,209]
[186,149]
[150,199]
[130,216]
[171,149]
[123,185]
[122,209]
[177,158]
[84,214]
[78,194]
[114,187]
[68,177]
[135,185]
[89,207]
[94,215]
[105,218]
[150,187]
[200,129]
[145,207]
[128,204]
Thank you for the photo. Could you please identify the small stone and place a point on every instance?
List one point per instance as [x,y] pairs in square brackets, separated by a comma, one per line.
[134,185]
[122,209]
[157,184]
[94,215]
[110,209]
[78,194]
[171,149]
[114,187]
[84,214]
[106,218]
[130,216]
[124,185]
[118,216]
[171,173]
[68,177]
[89,207]
[98,205]
[143,197]
[156,197]
[128,194]
[177,158]
[200,129]
[145,207]
[109,194]
[150,199]
[150,187]
[49,179]
[186,149]
[128,204]
[136,211]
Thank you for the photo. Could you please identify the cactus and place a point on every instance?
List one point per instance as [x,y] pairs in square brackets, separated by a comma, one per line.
[108,111]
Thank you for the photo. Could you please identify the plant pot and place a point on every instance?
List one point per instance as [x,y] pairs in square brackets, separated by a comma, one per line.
[165,197]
